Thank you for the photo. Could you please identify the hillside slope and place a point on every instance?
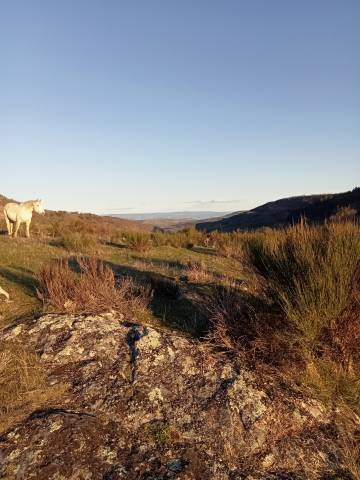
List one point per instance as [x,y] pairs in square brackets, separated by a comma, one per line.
[315,208]
[80,221]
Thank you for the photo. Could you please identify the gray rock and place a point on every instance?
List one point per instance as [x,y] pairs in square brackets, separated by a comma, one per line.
[144,403]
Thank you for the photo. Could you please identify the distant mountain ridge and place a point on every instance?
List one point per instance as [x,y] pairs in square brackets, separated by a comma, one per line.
[181,215]
[316,208]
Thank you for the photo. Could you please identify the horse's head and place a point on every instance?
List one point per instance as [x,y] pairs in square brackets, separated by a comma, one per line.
[38,207]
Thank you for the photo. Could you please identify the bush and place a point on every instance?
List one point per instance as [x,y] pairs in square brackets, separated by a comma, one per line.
[231,244]
[309,270]
[92,290]
[160,239]
[249,327]
[79,242]
[344,214]
[186,238]
[139,241]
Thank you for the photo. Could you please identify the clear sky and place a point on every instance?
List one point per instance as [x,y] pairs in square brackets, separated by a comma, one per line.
[157,105]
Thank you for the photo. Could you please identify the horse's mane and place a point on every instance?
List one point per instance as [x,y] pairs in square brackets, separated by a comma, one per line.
[29,203]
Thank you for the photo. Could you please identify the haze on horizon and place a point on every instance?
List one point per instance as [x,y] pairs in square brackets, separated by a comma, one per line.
[113,107]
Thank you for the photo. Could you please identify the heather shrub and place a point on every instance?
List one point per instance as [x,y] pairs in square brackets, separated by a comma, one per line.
[91,290]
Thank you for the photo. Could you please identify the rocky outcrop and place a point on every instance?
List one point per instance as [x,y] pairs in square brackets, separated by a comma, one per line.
[148,404]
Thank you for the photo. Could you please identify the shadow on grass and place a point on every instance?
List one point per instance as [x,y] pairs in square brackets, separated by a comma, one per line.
[175,264]
[56,242]
[24,270]
[181,304]
[169,304]
[204,250]
[182,267]
[115,244]
[21,277]
[177,304]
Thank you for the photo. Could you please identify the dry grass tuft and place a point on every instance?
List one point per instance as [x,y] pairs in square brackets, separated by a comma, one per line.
[231,244]
[309,270]
[186,238]
[80,242]
[91,290]
[349,441]
[197,272]
[250,327]
[23,384]
[139,241]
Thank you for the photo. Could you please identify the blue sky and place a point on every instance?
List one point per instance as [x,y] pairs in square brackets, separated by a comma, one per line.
[126,106]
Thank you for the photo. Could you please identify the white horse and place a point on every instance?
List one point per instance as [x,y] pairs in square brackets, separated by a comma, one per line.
[18,213]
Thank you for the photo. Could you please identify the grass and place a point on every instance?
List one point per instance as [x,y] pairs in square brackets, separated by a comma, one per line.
[23,384]
[80,242]
[198,272]
[332,384]
[20,260]
[349,440]
[139,241]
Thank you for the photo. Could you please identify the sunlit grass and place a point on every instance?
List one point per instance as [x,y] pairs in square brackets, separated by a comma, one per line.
[23,384]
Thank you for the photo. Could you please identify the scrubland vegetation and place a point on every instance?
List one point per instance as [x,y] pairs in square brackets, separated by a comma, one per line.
[284,301]
[91,288]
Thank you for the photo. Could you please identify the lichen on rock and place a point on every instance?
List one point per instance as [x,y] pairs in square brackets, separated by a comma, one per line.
[149,404]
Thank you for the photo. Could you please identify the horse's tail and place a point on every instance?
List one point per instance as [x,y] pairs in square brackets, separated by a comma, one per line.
[6,216]
[5,213]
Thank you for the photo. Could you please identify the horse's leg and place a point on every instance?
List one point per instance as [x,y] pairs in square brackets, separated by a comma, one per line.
[28,228]
[17,225]
[8,225]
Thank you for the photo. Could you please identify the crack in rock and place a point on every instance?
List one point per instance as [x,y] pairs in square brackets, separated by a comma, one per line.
[58,411]
[134,334]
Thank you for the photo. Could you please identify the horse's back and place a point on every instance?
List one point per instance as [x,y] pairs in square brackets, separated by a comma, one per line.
[11,206]
[10,210]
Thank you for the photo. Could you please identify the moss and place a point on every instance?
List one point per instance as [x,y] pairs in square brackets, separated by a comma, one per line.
[160,433]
